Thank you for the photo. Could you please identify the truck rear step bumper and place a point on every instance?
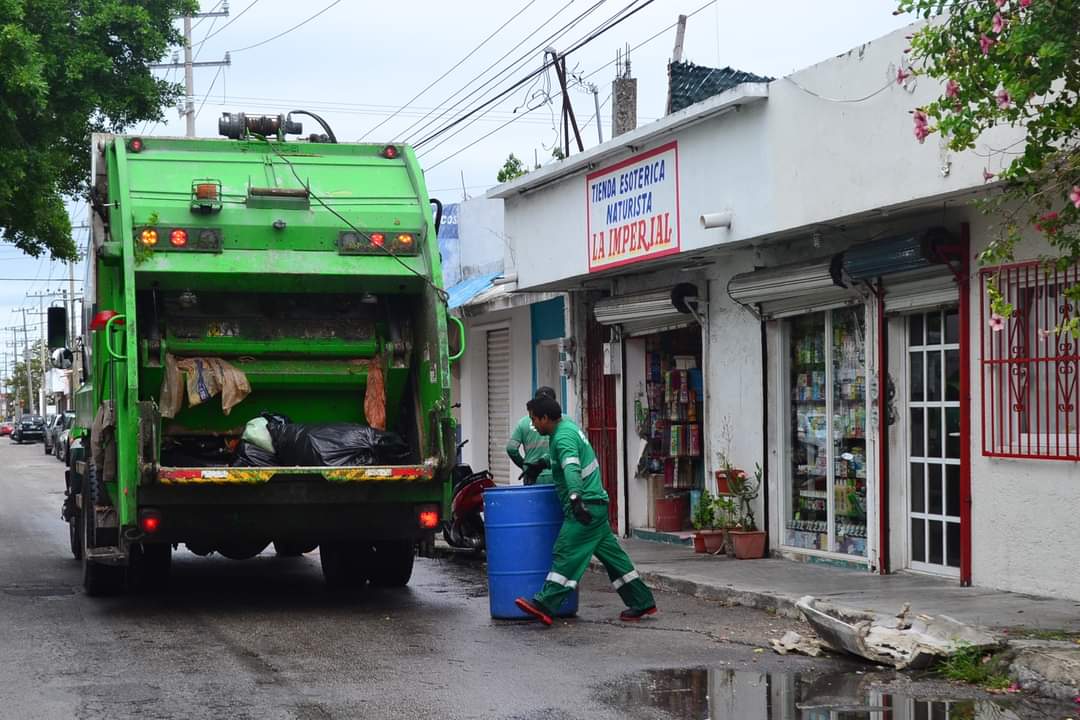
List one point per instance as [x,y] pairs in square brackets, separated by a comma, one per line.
[260,475]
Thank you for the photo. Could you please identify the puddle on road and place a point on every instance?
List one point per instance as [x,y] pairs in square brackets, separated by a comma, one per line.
[704,694]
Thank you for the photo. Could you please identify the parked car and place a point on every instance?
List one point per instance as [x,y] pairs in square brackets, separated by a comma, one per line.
[6,427]
[29,428]
[52,431]
[63,445]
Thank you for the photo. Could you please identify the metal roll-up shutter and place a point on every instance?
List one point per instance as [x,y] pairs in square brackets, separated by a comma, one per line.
[792,289]
[921,290]
[498,402]
[644,313]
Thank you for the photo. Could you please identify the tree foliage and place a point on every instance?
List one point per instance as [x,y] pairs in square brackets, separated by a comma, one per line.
[1010,63]
[511,169]
[69,68]
[15,384]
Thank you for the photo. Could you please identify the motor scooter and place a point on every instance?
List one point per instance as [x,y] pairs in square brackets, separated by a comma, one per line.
[465,528]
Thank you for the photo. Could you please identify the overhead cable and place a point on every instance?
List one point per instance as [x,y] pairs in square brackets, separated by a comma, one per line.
[432,84]
[286,32]
[221,29]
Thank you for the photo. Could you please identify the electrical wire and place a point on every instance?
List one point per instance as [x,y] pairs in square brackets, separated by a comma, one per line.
[408,132]
[864,98]
[209,90]
[434,82]
[226,25]
[198,21]
[286,32]
[590,74]
[442,293]
[625,14]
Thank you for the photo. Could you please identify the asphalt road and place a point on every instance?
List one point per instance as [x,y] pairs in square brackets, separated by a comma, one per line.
[263,639]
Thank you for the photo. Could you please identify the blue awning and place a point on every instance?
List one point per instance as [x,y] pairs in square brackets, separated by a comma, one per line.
[466,290]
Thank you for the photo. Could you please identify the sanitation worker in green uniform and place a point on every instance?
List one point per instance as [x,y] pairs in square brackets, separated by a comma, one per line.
[585,531]
[534,461]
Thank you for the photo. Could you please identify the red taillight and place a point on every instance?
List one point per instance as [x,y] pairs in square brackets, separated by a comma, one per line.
[178,238]
[378,239]
[429,517]
[390,152]
[102,318]
[206,191]
[135,145]
[149,521]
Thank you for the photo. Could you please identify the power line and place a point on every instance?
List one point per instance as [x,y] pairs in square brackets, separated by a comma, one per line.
[221,29]
[408,132]
[452,69]
[208,91]
[590,74]
[612,22]
[213,9]
[286,32]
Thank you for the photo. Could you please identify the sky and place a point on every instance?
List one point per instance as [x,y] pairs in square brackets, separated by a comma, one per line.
[358,62]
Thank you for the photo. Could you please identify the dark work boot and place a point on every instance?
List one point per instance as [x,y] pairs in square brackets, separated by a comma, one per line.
[631,615]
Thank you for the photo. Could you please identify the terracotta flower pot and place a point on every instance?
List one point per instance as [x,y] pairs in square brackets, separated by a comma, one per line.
[708,541]
[748,544]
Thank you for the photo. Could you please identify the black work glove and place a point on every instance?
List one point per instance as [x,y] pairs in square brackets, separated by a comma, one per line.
[581,513]
[530,473]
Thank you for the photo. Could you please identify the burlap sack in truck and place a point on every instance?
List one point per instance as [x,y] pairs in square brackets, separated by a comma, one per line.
[205,378]
[375,396]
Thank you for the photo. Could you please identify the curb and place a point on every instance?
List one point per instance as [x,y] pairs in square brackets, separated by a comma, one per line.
[782,605]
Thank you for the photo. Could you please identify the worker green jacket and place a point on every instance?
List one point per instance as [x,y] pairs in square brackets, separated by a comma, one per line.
[574,467]
[535,446]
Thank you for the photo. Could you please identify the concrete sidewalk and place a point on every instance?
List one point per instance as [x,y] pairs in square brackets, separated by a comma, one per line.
[775,585]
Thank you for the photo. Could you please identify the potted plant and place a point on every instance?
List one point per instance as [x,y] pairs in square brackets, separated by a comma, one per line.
[747,541]
[708,537]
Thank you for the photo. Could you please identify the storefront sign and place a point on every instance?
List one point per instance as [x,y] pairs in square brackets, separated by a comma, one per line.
[633,209]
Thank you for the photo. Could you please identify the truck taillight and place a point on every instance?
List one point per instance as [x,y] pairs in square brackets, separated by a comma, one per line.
[390,152]
[148,237]
[149,521]
[405,239]
[378,239]
[178,238]
[135,145]
[428,516]
[206,191]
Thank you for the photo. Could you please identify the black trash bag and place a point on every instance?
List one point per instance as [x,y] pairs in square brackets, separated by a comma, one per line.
[336,444]
[251,455]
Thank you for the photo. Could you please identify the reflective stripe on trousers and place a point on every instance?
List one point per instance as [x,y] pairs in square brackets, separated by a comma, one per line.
[628,577]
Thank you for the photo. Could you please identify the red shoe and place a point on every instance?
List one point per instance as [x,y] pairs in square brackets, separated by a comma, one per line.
[630,615]
[535,611]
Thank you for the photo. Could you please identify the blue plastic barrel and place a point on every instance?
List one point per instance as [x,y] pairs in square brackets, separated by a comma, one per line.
[521,523]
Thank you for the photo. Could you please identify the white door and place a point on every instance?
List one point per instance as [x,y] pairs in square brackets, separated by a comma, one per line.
[933,448]
[498,402]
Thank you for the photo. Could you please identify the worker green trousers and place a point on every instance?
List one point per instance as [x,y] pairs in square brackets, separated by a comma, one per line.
[574,547]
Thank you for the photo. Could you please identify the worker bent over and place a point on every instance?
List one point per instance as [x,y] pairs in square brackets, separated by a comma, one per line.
[585,531]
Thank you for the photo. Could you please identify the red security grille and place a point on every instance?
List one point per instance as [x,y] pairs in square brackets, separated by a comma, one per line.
[1031,407]
[601,417]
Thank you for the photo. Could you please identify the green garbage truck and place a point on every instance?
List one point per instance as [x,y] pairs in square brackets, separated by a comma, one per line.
[263,356]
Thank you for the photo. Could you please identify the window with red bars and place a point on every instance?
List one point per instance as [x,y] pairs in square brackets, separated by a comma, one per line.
[1030,402]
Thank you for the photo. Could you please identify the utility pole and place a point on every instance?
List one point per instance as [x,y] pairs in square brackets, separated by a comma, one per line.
[559,62]
[189,65]
[596,101]
[26,360]
[680,33]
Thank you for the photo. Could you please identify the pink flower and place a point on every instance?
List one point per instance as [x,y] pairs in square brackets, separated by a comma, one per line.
[999,3]
[985,43]
[998,23]
[1074,196]
[952,89]
[1004,101]
[922,127]
[1025,3]
[997,322]
[987,175]
[1014,688]
[901,76]
[1048,223]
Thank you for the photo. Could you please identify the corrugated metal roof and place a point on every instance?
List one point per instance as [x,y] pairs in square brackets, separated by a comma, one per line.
[689,83]
[469,288]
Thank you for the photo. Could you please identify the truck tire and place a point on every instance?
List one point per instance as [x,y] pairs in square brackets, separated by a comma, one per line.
[289,548]
[392,563]
[150,566]
[344,564]
[75,535]
[98,579]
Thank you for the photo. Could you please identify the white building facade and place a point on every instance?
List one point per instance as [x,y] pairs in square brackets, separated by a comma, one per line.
[780,275]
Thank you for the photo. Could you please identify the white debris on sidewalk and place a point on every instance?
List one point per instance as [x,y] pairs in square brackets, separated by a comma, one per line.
[793,642]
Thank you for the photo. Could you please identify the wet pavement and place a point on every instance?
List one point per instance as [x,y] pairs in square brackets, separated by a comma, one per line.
[263,639]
